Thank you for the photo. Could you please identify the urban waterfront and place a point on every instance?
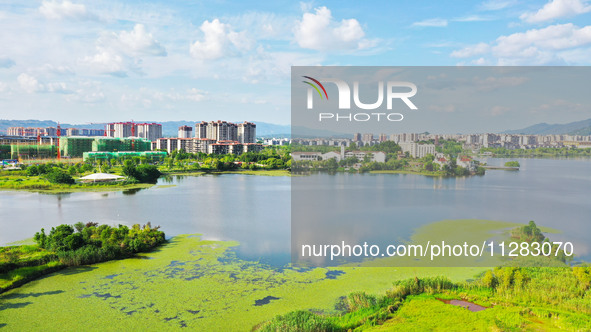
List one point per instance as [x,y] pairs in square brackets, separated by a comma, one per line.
[255,210]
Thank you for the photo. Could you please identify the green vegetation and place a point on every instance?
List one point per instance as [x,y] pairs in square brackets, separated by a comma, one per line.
[141,173]
[395,162]
[59,176]
[195,283]
[76,245]
[404,165]
[512,164]
[200,285]
[516,298]
[270,158]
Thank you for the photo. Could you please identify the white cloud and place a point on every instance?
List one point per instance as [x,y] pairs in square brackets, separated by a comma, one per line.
[196,95]
[57,11]
[472,50]
[136,42]
[555,44]
[318,31]
[556,9]
[472,18]
[118,53]
[29,83]
[219,40]
[432,22]
[106,62]
[553,37]
[496,5]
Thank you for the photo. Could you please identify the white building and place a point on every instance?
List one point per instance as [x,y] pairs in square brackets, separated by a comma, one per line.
[247,132]
[417,150]
[151,131]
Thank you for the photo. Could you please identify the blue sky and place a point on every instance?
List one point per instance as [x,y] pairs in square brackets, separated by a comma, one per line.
[95,61]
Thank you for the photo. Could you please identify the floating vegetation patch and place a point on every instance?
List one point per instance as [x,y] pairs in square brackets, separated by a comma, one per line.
[192,283]
[333,274]
[265,300]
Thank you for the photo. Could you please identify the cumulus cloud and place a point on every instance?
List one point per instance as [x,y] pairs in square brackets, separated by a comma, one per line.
[556,9]
[551,44]
[433,22]
[136,42]
[29,83]
[65,10]
[118,53]
[219,40]
[319,31]
[106,62]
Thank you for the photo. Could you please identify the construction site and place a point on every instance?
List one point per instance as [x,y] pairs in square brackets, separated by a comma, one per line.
[150,155]
[71,147]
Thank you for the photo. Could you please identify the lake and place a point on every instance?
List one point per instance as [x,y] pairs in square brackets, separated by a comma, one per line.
[256,210]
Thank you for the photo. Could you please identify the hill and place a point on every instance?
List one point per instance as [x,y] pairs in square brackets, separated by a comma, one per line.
[574,128]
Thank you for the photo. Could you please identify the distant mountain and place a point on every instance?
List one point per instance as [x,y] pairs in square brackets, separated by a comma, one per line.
[169,128]
[4,124]
[574,128]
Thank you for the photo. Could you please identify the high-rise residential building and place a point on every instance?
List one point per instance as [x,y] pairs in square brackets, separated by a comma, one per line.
[185,132]
[357,137]
[225,131]
[367,137]
[247,132]
[72,132]
[201,129]
[151,131]
[25,131]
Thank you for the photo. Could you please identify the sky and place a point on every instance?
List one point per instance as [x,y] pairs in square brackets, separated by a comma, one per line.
[99,61]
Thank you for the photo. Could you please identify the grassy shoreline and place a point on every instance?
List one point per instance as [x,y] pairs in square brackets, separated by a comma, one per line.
[424,173]
[10,182]
[263,172]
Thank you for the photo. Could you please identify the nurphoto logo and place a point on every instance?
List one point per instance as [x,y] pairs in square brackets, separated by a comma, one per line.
[392,91]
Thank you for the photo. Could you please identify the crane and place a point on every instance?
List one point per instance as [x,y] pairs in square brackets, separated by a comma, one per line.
[59,133]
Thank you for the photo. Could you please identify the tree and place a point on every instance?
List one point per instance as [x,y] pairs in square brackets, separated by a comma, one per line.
[32,170]
[57,175]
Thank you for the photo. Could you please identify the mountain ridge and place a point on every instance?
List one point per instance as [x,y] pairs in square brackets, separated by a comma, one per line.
[582,127]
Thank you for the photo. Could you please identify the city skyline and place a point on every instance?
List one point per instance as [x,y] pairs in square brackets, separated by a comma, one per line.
[79,61]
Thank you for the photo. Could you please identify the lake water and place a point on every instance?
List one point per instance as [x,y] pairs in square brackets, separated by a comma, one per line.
[256,210]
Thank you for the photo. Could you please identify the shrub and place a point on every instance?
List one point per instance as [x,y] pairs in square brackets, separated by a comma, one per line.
[301,321]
